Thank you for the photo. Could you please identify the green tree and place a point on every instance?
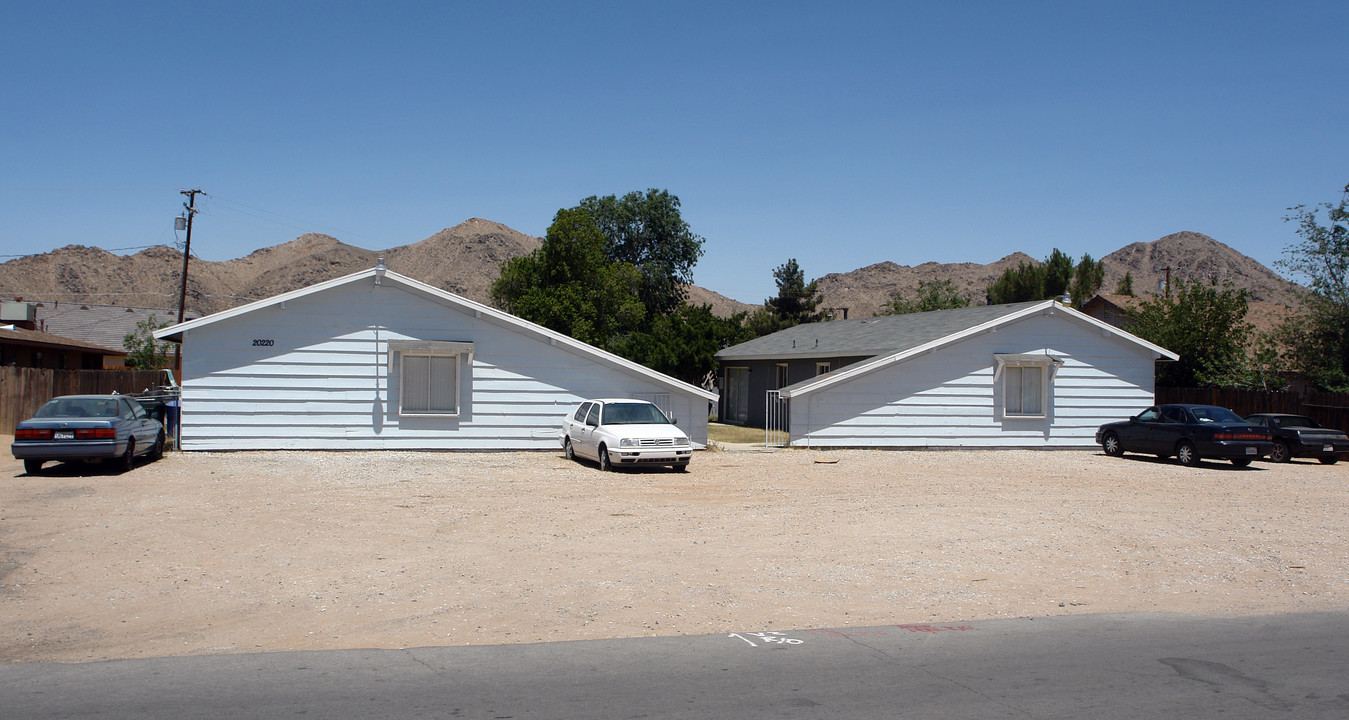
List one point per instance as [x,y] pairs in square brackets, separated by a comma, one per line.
[796,300]
[682,343]
[1021,284]
[568,283]
[1206,325]
[763,321]
[936,295]
[1088,277]
[1318,341]
[144,351]
[1046,281]
[647,231]
[1126,284]
[1057,273]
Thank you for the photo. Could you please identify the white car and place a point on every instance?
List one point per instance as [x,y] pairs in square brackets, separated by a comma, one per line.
[617,433]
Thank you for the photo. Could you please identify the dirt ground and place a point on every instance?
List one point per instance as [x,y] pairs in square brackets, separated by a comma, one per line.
[248,552]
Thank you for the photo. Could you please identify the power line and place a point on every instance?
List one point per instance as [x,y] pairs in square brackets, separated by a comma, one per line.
[290,221]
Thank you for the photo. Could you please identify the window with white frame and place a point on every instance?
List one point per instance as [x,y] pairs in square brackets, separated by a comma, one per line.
[428,376]
[1025,382]
[822,368]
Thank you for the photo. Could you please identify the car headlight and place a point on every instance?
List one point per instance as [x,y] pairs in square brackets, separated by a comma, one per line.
[681,442]
[629,442]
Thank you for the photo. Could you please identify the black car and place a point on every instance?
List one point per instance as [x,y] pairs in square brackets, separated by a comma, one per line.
[1190,433]
[88,428]
[1300,436]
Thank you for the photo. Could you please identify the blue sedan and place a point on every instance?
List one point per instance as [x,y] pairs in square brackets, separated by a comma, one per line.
[1190,433]
[88,428]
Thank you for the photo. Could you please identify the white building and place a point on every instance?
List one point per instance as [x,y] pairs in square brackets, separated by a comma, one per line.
[1036,375]
[378,360]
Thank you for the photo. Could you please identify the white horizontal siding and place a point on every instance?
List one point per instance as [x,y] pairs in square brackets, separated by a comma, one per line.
[948,398]
[325,380]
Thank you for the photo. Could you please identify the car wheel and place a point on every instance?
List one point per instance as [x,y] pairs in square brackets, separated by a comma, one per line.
[1111,444]
[34,467]
[1241,462]
[1186,455]
[605,465]
[1280,452]
[1329,460]
[569,450]
[157,450]
[128,460]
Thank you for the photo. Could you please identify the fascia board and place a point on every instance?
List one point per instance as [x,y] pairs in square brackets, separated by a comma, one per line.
[1160,353]
[175,332]
[1051,306]
[553,337]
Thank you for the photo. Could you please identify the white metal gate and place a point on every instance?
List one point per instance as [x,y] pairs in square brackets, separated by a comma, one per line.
[775,420]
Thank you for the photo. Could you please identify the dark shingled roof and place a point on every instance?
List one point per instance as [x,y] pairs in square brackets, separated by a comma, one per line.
[18,335]
[868,336]
[104,325]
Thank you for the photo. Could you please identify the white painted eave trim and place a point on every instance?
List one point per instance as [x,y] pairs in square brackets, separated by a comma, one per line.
[1048,307]
[174,333]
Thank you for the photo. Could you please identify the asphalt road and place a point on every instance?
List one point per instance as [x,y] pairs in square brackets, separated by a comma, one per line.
[1100,667]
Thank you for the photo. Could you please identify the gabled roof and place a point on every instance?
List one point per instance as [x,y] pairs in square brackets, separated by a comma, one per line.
[384,277]
[966,322]
[868,336]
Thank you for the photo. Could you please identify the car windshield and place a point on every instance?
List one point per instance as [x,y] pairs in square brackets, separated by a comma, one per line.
[1208,414]
[634,414]
[1295,421]
[78,408]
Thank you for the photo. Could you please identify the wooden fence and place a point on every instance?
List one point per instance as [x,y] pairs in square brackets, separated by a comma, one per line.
[1329,409]
[24,390]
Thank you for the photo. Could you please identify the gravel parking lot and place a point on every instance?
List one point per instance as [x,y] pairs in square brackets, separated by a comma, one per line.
[248,552]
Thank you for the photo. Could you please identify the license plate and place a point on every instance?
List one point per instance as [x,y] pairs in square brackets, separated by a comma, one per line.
[69,435]
[1328,448]
[1250,451]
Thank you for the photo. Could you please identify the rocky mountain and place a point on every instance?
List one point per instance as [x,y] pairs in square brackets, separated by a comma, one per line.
[1190,256]
[863,291]
[465,259]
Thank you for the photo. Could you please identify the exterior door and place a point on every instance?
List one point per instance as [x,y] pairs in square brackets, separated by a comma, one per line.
[737,395]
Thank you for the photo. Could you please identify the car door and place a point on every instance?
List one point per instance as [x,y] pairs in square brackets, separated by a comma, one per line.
[1168,430]
[585,441]
[138,422]
[575,427]
[1137,435]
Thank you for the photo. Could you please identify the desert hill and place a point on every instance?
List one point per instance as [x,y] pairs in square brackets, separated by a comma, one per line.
[466,258]
[1191,257]
[865,290]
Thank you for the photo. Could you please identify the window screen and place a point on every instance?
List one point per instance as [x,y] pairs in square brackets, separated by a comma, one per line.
[1024,390]
[430,384]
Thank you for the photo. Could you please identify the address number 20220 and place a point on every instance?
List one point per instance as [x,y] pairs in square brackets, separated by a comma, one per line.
[263,342]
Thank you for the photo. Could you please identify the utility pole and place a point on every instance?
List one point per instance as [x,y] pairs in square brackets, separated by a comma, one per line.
[191,206]
[187,246]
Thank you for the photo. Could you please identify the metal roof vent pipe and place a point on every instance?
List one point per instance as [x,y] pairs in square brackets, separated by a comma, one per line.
[379,271]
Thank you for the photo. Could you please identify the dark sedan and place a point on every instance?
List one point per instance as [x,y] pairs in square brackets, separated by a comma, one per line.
[1300,436]
[88,428]
[1190,433]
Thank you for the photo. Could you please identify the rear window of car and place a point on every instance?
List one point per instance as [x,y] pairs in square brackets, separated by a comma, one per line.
[79,407]
[1215,414]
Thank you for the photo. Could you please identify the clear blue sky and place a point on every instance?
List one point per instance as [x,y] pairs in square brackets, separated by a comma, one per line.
[840,134]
